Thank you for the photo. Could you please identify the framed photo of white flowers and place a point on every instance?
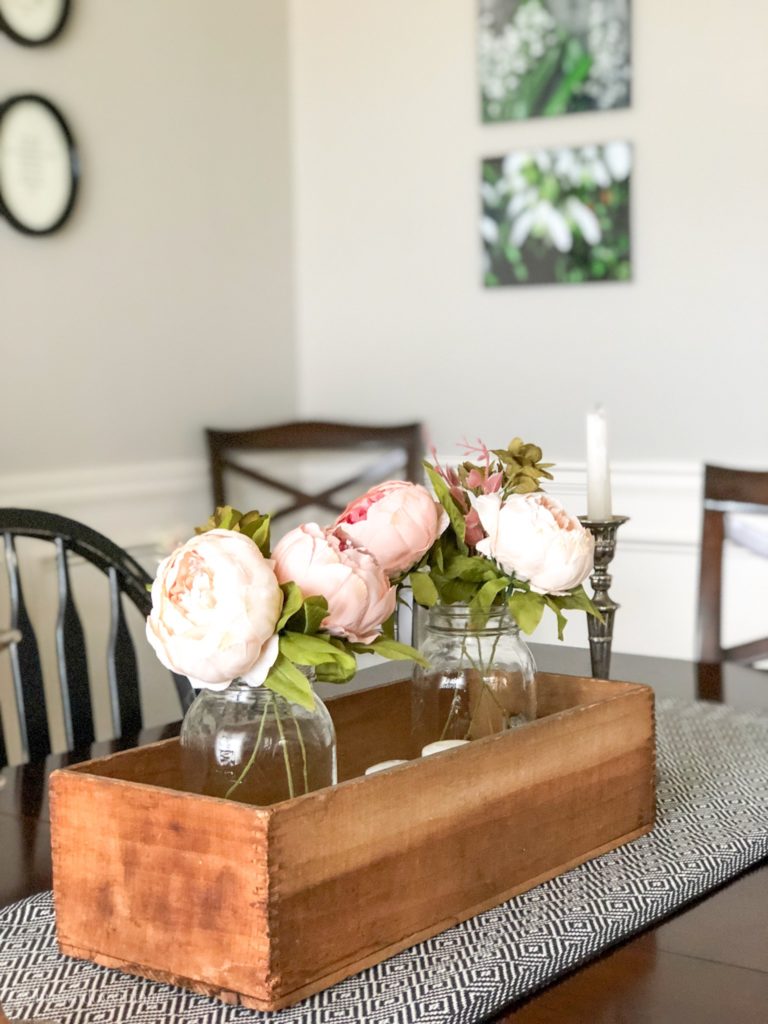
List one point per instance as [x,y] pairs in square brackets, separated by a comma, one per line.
[544,58]
[557,216]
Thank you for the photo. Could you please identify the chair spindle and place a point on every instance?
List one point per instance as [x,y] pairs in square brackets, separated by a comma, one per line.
[26,670]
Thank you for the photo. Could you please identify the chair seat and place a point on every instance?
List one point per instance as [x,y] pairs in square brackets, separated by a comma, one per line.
[749,531]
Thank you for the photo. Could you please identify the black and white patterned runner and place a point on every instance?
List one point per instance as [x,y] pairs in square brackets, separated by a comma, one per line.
[712,824]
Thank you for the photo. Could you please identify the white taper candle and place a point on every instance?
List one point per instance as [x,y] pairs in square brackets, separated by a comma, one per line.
[598,472]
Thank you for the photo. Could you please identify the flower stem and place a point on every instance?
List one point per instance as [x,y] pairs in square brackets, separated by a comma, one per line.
[284,745]
[252,758]
[303,748]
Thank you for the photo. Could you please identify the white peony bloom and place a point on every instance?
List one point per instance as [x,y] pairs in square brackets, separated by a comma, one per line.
[533,537]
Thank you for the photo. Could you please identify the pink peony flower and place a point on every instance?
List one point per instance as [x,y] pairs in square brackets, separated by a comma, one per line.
[359,595]
[396,521]
[215,605]
[532,536]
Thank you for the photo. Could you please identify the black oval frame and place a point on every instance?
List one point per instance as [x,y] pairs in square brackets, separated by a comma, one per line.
[23,40]
[74,166]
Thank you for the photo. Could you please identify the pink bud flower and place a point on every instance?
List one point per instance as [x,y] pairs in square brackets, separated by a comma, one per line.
[398,522]
[359,595]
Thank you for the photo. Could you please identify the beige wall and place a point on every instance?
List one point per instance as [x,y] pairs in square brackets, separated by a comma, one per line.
[166,303]
[393,321]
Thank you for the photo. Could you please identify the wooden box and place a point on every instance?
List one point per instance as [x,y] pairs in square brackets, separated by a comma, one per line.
[265,906]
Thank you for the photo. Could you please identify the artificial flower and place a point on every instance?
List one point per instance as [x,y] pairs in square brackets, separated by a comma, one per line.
[359,595]
[215,606]
[397,521]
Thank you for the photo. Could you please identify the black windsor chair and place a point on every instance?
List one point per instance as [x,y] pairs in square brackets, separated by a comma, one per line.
[126,579]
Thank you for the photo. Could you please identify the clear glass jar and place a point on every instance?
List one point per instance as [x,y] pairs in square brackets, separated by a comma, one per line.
[481,678]
[248,744]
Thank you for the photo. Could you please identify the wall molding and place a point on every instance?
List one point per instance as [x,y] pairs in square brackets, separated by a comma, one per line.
[139,505]
[150,507]
[661,498]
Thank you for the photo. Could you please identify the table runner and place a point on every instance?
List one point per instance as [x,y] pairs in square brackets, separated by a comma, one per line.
[712,824]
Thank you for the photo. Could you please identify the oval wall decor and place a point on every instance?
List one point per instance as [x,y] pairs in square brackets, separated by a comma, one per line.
[39,167]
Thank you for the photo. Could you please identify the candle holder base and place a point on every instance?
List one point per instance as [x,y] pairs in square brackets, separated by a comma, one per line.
[601,633]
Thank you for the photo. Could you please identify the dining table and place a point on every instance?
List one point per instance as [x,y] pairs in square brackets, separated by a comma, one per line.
[707,962]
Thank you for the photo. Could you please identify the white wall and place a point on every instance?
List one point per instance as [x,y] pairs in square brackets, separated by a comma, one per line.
[166,303]
[393,322]
[392,319]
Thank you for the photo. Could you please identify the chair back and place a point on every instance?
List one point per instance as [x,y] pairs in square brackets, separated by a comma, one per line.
[726,491]
[386,452]
[126,578]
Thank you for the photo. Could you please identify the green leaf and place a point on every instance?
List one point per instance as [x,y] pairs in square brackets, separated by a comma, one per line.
[456,590]
[290,682]
[256,526]
[445,498]
[561,619]
[560,98]
[293,599]
[224,518]
[578,600]
[391,649]
[526,608]
[333,672]
[438,552]
[424,590]
[315,650]
[309,618]
[472,570]
[487,594]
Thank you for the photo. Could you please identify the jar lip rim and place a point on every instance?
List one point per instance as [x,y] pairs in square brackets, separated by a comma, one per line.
[461,610]
[454,618]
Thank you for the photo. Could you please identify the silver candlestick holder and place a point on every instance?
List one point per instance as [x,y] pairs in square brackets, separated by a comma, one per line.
[601,633]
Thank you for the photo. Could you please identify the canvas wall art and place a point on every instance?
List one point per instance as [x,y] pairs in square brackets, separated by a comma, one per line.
[543,58]
[557,216]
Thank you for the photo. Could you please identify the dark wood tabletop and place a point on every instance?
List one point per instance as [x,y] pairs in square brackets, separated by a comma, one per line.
[707,963]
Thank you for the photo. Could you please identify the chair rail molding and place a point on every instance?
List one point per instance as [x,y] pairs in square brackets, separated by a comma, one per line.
[149,507]
[136,504]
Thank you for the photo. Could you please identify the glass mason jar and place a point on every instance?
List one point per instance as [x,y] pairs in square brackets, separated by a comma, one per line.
[249,744]
[480,680]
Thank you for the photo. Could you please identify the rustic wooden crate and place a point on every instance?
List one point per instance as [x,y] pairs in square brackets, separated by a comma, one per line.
[265,906]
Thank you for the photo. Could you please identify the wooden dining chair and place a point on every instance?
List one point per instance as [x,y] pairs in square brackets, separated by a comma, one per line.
[726,491]
[127,579]
[397,453]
